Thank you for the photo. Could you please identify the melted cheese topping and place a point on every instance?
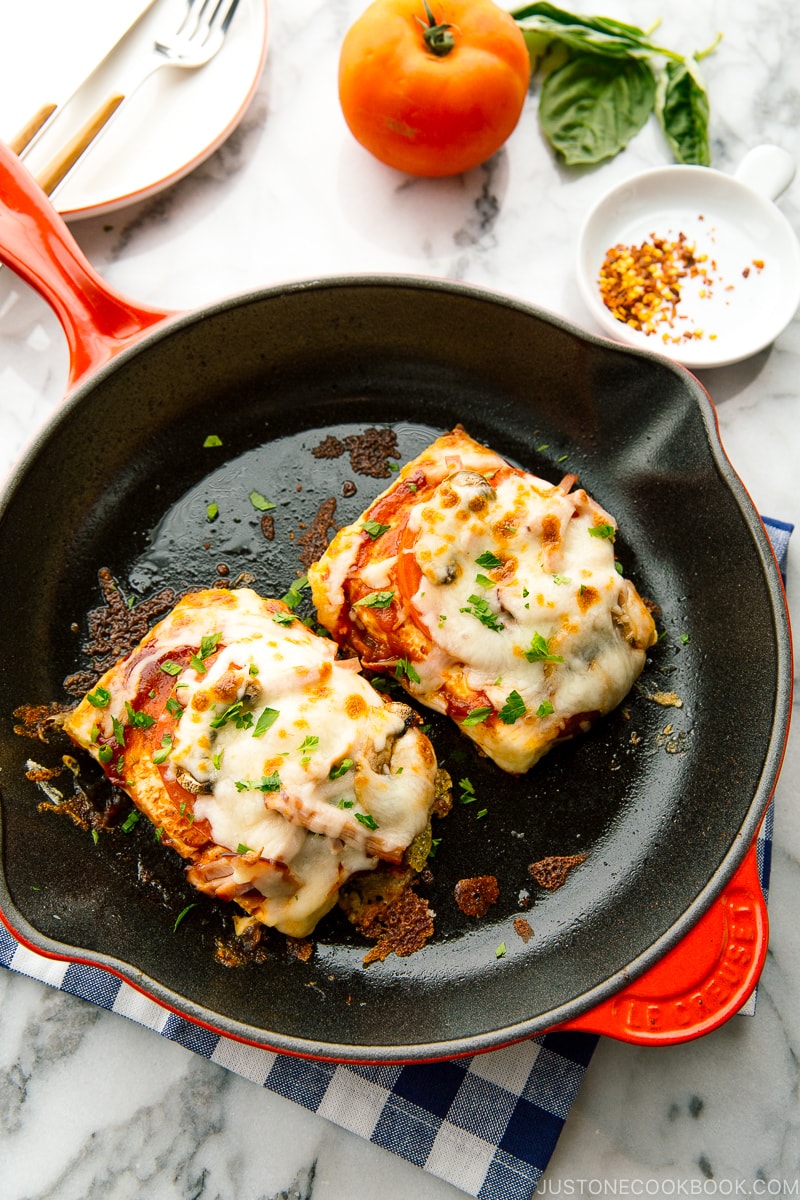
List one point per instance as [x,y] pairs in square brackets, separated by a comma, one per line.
[299,769]
[519,624]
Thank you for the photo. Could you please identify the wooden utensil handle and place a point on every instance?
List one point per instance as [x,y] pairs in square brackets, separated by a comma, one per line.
[61,163]
[31,127]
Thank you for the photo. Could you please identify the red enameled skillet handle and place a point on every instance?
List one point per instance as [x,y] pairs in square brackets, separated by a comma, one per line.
[702,981]
[36,244]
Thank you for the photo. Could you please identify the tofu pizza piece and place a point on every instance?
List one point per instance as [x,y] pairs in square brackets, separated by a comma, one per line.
[274,768]
[494,597]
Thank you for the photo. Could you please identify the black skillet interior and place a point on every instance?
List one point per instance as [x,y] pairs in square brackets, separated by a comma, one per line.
[663,800]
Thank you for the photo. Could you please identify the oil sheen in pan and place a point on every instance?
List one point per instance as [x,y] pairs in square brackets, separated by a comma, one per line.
[592,796]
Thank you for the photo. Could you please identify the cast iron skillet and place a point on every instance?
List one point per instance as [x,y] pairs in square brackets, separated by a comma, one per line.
[663,801]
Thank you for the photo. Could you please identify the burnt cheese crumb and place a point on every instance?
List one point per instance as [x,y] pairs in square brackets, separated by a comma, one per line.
[115,629]
[369,451]
[523,929]
[476,896]
[551,872]
[315,540]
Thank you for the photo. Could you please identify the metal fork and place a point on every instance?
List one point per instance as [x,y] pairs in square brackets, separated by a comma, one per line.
[197,39]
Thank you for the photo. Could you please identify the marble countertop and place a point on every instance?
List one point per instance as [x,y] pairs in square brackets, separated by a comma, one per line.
[93,1105]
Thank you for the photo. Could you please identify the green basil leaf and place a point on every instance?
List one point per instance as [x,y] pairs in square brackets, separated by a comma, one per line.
[683,111]
[590,108]
[586,35]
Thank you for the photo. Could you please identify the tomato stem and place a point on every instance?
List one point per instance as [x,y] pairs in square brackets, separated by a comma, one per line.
[437,36]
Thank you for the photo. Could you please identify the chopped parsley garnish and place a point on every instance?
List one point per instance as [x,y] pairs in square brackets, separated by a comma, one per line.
[477,716]
[208,644]
[343,803]
[500,951]
[284,618]
[158,832]
[602,531]
[375,600]
[269,783]
[545,709]
[539,651]
[478,607]
[307,747]
[212,440]
[393,466]
[182,914]
[561,580]
[130,821]
[212,511]
[295,592]
[481,813]
[242,849]
[489,560]
[119,731]
[236,713]
[513,709]
[139,720]
[268,718]
[484,581]
[435,843]
[174,707]
[105,754]
[198,664]
[169,667]
[366,819]
[161,755]
[374,529]
[216,759]
[404,667]
[261,503]
[467,792]
[340,769]
[99,698]
[684,639]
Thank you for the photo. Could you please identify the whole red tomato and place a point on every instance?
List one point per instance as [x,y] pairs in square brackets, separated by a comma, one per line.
[433,88]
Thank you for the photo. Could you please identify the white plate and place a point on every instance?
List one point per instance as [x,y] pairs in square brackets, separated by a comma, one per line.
[49,48]
[736,306]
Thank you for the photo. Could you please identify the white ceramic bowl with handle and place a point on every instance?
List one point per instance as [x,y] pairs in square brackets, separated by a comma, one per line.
[748,287]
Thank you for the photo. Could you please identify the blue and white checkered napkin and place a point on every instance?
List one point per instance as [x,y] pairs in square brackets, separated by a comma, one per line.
[486,1124]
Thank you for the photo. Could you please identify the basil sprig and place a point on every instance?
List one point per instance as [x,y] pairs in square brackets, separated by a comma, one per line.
[601,81]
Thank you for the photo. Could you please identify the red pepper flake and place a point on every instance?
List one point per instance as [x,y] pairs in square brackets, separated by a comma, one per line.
[641,285]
